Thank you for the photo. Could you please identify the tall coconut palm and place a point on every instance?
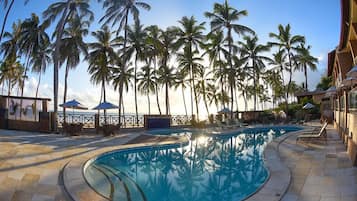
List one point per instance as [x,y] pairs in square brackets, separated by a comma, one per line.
[11,70]
[190,37]
[287,42]
[100,58]
[64,10]
[305,60]
[33,36]
[201,86]
[121,79]
[39,61]
[136,49]
[166,77]
[72,46]
[153,42]
[253,53]
[190,66]
[146,84]
[182,82]
[10,47]
[166,45]
[216,52]
[224,17]
[5,5]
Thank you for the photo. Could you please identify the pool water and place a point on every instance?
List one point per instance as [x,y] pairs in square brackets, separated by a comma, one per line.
[208,168]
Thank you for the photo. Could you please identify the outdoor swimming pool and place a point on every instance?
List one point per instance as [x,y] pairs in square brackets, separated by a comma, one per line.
[220,168]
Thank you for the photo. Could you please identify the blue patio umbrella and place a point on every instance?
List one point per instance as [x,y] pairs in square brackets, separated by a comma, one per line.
[74,105]
[224,110]
[105,106]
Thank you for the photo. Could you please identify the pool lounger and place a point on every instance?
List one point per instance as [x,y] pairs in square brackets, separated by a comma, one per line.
[314,134]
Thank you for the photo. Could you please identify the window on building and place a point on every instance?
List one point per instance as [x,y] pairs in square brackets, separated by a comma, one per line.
[352,99]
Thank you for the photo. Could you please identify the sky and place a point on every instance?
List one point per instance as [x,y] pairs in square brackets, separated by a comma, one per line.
[317,20]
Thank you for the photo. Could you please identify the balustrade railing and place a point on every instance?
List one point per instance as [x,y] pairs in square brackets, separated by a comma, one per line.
[127,121]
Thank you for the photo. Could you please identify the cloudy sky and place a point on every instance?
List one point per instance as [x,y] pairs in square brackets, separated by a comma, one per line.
[317,20]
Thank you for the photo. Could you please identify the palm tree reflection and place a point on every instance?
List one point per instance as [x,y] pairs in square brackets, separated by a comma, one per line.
[209,168]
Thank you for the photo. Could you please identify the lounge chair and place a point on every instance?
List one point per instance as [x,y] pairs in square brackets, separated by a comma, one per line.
[314,134]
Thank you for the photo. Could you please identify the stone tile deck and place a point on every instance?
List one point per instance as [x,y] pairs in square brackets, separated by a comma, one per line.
[320,172]
[30,165]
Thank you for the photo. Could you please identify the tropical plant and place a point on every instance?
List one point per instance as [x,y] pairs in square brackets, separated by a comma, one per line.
[66,10]
[253,53]
[39,61]
[146,84]
[325,83]
[305,60]
[72,46]
[121,79]
[224,17]
[216,52]
[154,46]
[288,43]
[181,81]
[136,49]
[6,4]
[166,77]
[101,56]
[33,35]
[190,37]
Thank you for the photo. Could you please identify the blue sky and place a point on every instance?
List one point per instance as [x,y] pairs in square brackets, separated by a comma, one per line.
[317,20]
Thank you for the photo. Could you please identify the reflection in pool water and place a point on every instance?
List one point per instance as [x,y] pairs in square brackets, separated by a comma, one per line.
[222,168]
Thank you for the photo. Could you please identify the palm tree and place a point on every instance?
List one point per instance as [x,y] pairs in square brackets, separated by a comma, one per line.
[166,77]
[154,44]
[33,35]
[182,82]
[10,47]
[224,16]
[215,50]
[288,43]
[325,83]
[212,95]
[121,79]
[305,60]
[5,4]
[137,43]
[190,37]
[101,56]
[146,83]
[190,67]
[201,86]
[72,46]
[39,61]
[166,45]
[252,52]
[11,71]
[67,9]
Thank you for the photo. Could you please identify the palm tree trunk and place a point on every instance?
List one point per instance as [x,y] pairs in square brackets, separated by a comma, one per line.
[222,76]
[167,98]
[305,72]
[289,83]
[5,19]
[196,97]
[231,65]
[135,90]
[255,87]
[156,88]
[56,63]
[65,92]
[205,100]
[120,102]
[184,100]
[104,100]
[9,87]
[148,96]
[38,84]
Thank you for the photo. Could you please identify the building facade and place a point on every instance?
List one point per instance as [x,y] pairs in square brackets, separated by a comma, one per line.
[341,63]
